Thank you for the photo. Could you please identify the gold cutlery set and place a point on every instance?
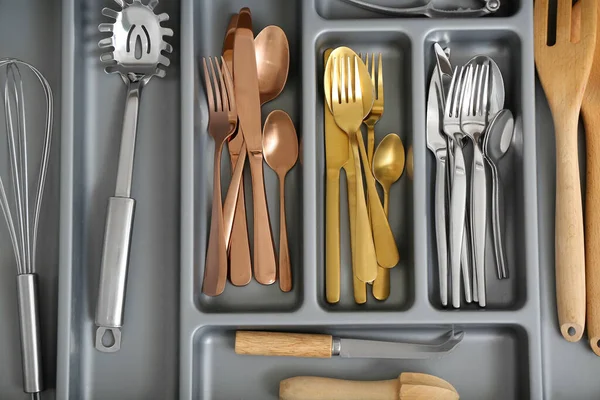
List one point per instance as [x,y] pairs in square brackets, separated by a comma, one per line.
[252,72]
[354,96]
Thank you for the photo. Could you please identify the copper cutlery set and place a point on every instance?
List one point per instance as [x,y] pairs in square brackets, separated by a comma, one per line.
[250,72]
[354,96]
[568,67]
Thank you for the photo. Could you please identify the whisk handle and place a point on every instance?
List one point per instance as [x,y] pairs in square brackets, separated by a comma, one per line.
[113,273]
[29,322]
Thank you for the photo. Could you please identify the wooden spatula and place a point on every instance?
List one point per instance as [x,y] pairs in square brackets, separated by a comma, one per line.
[563,69]
[591,118]
[316,388]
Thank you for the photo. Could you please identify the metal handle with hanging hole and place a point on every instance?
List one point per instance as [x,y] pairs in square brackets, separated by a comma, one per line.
[113,274]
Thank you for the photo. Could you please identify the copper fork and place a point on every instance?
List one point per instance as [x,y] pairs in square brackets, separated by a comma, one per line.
[221,124]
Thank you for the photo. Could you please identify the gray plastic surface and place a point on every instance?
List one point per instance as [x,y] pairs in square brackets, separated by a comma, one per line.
[501,355]
[178,343]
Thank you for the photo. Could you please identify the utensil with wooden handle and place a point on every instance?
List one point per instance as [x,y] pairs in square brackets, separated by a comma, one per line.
[317,388]
[591,119]
[564,92]
[326,346]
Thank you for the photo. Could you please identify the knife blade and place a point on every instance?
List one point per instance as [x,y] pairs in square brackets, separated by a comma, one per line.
[248,107]
[240,264]
[326,346]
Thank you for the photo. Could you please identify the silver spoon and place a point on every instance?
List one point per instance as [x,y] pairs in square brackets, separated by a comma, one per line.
[496,143]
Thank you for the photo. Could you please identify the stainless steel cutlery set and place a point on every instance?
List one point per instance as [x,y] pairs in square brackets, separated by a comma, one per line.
[465,106]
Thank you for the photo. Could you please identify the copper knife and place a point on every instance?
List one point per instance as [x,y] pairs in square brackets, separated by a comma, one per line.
[240,266]
[248,106]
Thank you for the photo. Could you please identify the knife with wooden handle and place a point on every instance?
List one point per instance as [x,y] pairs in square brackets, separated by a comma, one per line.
[326,346]
[249,113]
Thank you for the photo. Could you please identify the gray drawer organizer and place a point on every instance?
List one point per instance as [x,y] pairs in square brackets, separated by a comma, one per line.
[177,343]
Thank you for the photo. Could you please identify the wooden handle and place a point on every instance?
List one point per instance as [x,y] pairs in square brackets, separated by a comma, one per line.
[569,240]
[592,222]
[422,392]
[413,378]
[315,388]
[283,344]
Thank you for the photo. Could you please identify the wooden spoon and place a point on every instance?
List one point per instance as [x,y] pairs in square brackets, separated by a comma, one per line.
[591,119]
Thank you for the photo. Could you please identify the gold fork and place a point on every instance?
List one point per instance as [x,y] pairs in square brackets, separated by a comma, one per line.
[221,124]
[347,108]
[377,109]
[381,283]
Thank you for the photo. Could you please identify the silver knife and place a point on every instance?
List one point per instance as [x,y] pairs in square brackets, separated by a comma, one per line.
[436,142]
[326,346]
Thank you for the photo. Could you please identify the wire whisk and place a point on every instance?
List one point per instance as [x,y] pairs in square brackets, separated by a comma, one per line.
[22,210]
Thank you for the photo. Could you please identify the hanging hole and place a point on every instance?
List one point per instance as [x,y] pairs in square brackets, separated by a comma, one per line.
[571,331]
[108,339]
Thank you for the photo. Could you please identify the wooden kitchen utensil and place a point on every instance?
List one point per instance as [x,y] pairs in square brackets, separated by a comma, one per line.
[591,119]
[563,69]
[317,388]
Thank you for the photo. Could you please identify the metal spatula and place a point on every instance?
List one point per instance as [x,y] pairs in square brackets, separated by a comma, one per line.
[137,55]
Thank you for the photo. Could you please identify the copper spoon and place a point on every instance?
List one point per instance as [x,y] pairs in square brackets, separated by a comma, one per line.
[280,149]
[272,62]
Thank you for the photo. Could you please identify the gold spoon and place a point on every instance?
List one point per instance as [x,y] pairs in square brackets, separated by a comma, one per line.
[388,165]
[280,149]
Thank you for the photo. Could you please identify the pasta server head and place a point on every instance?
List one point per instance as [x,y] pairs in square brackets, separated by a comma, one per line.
[137,41]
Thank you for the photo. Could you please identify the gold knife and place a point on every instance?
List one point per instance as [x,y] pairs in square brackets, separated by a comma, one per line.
[248,107]
[337,148]
[240,266]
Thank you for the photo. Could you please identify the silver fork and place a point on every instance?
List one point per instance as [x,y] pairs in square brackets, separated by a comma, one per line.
[473,121]
[458,196]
